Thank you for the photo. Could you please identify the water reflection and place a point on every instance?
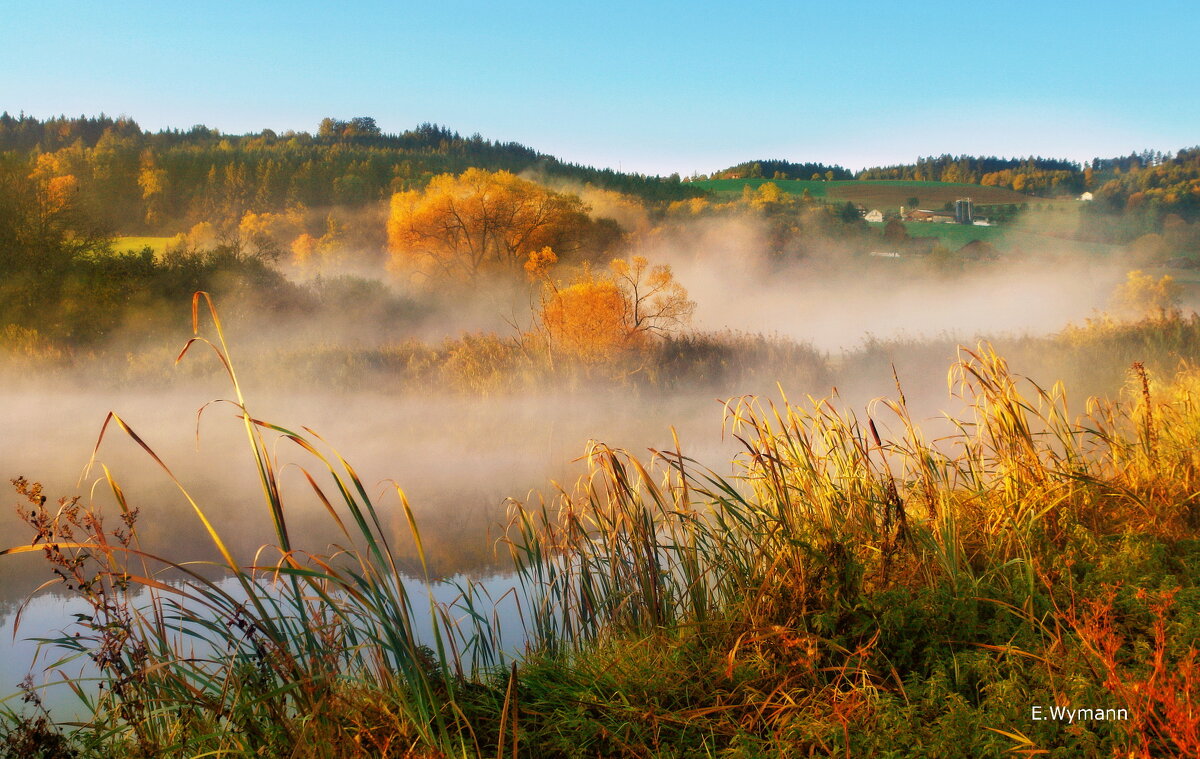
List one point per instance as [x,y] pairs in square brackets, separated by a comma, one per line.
[457,459]
[50,614]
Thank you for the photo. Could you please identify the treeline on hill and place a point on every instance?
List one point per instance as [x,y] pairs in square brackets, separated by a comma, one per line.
[164,182]
[1036,176]
[778,169]
[1147,193]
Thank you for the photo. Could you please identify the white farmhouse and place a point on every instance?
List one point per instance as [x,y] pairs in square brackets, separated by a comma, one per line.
[874,215]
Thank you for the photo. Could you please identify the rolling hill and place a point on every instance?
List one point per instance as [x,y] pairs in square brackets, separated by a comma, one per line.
[882,194]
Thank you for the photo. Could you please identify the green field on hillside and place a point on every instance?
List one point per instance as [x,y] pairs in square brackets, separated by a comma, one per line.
[1010,238]
[954,236]
[882,194]
[815,188]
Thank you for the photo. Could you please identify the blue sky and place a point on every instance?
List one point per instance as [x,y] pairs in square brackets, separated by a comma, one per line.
[651,87]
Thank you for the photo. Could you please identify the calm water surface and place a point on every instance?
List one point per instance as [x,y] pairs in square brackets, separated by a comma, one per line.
[457,460]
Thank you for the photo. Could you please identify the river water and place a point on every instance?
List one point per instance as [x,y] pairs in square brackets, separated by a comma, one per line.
[457,460]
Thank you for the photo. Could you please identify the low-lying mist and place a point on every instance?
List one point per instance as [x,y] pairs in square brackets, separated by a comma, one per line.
[377,367]
[456,458]
[834,301]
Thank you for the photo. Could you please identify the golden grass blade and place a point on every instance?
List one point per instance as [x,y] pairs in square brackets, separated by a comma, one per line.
[208,526]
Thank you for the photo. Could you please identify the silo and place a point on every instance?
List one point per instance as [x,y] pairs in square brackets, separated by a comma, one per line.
[964,211]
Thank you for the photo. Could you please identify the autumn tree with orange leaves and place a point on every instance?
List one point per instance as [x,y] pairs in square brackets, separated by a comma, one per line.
[599,317]
[462,227]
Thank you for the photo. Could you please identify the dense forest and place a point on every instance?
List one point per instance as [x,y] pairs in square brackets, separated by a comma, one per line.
[779,169]
[69,283]
[1037,175]
[135,181]
[255,212]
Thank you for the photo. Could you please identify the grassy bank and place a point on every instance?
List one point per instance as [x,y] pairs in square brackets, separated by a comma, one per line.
[856,587]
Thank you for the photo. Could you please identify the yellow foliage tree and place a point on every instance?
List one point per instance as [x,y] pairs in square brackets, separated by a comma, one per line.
[461,226]
[599,317]
[768,195]
[57,184]
[201,236]
[304,248]
[537,266]
[47,165]
[587,320]
[154,183]
[656,303]
[267,233]
[692,206]
[60,192]
[1141,296]
[327,250]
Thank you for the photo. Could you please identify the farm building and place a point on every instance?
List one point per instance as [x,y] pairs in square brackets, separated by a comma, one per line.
[874,215]
[944,217]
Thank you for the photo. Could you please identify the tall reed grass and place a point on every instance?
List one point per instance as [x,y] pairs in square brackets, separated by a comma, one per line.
[822,503]
[295,649]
